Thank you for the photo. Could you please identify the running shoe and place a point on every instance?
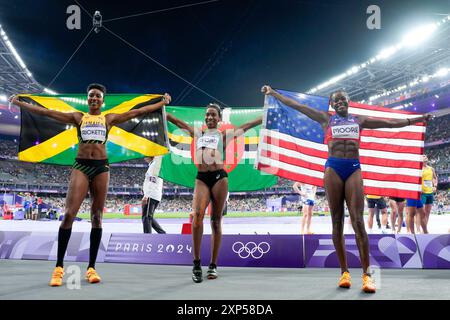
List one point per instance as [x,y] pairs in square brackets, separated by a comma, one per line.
[197,276]
[57,277]
[368,285]
[345,281]
[212,271]
[92,276]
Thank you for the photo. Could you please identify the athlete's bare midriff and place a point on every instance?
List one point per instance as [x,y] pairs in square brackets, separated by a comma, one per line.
[92,151]
[208,159]
[346,149]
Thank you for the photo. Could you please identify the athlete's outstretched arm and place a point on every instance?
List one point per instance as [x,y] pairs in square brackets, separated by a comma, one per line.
[435,180]
[376,123]
[231,134]
[316,115]
[117,118]
[296,188]
[65,117]
[246,126]
[180,124]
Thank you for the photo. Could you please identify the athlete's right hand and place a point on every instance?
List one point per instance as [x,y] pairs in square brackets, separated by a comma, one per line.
[167,98]
[427,117]
[267,90]
[13,98]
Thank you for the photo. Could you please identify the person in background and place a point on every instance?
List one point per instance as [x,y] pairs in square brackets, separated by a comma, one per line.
[153,188]
[429,185]
[308,194]
[397,207]
[378,202]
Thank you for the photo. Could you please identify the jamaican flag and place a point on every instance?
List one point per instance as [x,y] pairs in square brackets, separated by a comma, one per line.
[177,166]
[45,140]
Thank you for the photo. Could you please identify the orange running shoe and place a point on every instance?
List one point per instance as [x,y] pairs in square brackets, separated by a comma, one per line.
[92,276]
[368,285]
[57,277]
[345,281]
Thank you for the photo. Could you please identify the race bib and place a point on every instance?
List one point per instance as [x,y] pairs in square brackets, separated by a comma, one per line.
[210,142]
[428,183]
[93,132]
[348,131]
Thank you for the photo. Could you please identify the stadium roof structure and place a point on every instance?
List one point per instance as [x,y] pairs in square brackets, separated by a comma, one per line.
[14,74]
[419,59]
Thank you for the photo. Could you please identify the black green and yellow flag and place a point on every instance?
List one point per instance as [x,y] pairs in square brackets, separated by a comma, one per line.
[45,140]
[177,166]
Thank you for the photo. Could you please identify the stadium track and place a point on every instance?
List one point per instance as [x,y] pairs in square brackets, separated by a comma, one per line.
[26,279]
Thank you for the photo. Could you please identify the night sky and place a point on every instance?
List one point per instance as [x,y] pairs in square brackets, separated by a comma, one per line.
[228,48]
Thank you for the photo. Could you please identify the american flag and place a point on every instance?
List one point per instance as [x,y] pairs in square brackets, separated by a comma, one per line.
[291,146]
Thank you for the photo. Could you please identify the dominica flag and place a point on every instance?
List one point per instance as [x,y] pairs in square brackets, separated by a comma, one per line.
[45,140]
[240,155]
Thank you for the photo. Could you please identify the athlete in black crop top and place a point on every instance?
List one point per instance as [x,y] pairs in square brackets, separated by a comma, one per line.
[211,183]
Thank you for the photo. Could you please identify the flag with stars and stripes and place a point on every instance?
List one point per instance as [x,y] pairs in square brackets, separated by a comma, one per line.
[45,140]
[292,146]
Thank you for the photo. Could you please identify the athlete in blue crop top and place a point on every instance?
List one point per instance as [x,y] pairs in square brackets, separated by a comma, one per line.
[211,183]
[342,177]
[90,170]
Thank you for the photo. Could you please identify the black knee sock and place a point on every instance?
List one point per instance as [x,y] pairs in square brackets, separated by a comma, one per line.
[63,241]
[197,264]
[96,237]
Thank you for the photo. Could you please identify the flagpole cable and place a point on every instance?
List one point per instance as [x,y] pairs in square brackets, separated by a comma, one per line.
[67,62]
[164,67]
[87,12]
[160,10]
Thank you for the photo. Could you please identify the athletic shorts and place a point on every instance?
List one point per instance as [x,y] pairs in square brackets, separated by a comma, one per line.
[427,198]
[91,168]
[414,203]
[343,167]
[308,202]
[397,199]
[210,178]
[379,203]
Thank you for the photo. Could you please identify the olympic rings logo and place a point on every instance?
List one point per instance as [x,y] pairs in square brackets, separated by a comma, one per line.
[256,251]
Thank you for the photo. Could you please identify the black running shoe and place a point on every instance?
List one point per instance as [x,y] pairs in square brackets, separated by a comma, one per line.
[197,276]
[212,271]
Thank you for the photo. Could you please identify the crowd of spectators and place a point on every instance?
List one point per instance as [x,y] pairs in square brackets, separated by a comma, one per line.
[439,158]
[438,129]
[8,148]
[131,174]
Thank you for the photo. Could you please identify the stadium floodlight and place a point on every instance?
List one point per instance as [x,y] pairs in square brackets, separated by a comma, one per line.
[355,69]
[411,39]
[49,91]
[441,72]
[14,52]
[386,53]
[418,35]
